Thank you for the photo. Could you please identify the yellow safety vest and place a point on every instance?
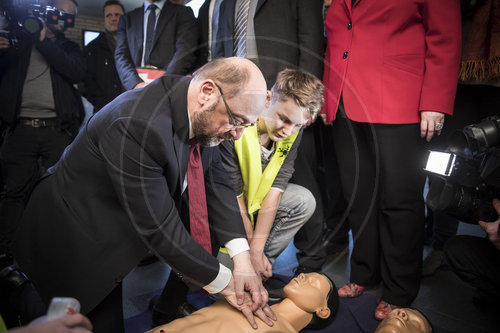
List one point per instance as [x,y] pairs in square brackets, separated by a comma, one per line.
[3,328]
[257,183]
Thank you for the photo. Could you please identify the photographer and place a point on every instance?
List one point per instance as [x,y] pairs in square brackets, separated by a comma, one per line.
[477,261]
[41,111]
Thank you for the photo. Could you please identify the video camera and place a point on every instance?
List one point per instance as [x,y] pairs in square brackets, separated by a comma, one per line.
[25,15]
[468,173]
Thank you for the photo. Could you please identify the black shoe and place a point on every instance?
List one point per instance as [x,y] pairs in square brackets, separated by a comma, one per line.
[14,276]
[434,261]
[5,260]
[303,269]
[162,318]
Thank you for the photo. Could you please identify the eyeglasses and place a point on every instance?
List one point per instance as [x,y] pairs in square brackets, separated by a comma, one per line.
[233,121]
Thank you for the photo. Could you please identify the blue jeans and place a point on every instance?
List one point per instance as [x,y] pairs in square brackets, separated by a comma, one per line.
[296,207]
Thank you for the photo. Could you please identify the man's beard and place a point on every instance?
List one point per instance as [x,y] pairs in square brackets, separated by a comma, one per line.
[201,123]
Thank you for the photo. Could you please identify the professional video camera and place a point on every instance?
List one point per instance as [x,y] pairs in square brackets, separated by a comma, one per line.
[468,173]
[25,15]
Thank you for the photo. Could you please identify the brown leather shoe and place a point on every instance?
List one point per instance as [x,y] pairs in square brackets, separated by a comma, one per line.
[383,309]
[350,290]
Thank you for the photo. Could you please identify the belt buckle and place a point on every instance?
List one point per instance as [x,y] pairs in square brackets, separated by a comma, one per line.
[36,123]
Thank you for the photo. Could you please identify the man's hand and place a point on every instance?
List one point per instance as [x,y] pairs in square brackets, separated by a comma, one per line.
[245,279]
[4,41]
[261,264]
[323,117]
[428,121]
[74,323]
[140,85]
[491,228]
[45,32]
[246,306]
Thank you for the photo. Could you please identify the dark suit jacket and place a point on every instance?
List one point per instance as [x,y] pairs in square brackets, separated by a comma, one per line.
[202,25]
[289,33]
[116,192]
[173,47]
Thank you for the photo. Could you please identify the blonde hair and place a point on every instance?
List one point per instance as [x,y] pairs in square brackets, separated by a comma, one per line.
[303,87]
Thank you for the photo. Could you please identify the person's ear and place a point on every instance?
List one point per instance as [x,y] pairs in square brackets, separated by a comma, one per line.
[269,96]
[323,312]
[207,89]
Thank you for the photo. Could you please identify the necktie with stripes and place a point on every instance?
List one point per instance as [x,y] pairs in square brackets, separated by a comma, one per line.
[240,29]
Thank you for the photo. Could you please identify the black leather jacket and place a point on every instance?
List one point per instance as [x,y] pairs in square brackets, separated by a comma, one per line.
[102,84]
[67,67]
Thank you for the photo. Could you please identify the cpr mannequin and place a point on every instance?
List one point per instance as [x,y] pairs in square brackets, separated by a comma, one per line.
[404,320]
[309,300]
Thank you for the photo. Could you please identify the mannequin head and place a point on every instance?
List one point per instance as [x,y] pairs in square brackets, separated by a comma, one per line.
[308,292]
[404,320]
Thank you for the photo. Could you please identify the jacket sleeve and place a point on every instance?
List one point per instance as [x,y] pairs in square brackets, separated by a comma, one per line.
[224,33]
[231,165]
[186,42]
[123,58]
[92,91]
[442,58]
[310,36]
[65,57]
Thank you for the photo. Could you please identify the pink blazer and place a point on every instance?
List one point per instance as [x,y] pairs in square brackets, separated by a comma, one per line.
[391,59]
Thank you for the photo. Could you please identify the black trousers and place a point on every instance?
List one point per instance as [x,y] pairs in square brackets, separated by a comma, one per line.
[381,171]
[107,316]
[308,239]
[477,261]
[24,154]
[334,203]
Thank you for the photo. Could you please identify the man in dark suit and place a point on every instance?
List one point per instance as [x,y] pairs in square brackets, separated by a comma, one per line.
[120,190]
[207,22]
[281,34]
[173,44]
[286,34]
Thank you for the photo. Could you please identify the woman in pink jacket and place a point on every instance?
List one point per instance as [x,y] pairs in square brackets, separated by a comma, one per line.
[391,72]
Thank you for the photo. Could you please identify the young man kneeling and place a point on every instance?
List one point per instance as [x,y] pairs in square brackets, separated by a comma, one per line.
[261,163]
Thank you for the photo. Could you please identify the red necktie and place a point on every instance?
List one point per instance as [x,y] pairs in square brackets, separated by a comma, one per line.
[198,215]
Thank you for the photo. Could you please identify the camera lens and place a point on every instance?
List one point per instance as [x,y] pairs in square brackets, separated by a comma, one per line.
[32,25]
[476,138]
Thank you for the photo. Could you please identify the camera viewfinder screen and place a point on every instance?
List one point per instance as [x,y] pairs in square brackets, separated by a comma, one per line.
[440,163]
[89,35]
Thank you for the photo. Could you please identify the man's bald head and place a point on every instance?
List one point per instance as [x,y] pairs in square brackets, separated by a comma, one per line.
[224,96]
[233,75]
